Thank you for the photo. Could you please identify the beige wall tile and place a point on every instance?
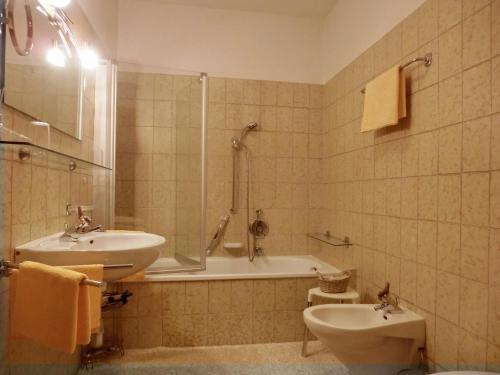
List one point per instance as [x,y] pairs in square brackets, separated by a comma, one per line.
[495,84]
[449,198]
[264,295]
[495,200]
[474,255]
[495,32]
[450,13]
[196,297]
[251,92]
[427,242]
[472,6]
[450,149]
[408,286]
[149,300]
[217,92]
[477,91]
[493,359]
[426,288]
[286,291]
[448,296]
[173,330]
[450,100]
[173,297]
[263,327]
[394,236]
[494,315]
[234,91]
[218,329]
[195,330]
[219,297]
[494,257]
[241,329]
[285,94]
[149,332]
[471,353]
[450,52]
[409,195]
[476,145]
[427,197]
[447,344]
[284,326]
[477,38]
[475,198]
[428,21]
[473,317]
[428,153]
[409,236]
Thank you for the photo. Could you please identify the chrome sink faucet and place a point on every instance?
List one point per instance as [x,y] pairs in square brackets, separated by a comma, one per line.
[389,302]
[83,227]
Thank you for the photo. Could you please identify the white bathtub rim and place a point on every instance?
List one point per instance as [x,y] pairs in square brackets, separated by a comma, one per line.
[204,276]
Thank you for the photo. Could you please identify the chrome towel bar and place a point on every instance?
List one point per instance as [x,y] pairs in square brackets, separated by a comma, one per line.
[426,59]
[5,266]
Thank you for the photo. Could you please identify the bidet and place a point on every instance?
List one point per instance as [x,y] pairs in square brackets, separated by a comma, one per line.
[364,340]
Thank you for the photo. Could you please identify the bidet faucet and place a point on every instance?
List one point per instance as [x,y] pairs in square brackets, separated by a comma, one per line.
[389,302]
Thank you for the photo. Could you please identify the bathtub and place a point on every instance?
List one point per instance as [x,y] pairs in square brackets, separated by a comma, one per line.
[222,268]
[232,302]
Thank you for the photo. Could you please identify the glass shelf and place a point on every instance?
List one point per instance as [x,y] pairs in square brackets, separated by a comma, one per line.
[25,150]
[329,239]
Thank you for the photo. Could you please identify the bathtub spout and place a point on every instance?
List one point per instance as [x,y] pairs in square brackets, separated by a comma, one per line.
[219,234]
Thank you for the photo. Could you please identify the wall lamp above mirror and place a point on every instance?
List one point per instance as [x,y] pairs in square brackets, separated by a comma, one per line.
[59,20]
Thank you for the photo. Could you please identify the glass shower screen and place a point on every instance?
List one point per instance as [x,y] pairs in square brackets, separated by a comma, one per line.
[160,162]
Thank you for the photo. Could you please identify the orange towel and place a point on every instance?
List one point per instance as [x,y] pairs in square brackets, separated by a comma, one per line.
[50,306]
[93,272]
[385,100]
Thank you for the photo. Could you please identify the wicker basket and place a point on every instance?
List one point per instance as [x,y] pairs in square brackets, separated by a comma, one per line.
[335,283]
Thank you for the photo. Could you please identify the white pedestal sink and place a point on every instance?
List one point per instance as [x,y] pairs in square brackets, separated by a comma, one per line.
[137,248]
[364,341]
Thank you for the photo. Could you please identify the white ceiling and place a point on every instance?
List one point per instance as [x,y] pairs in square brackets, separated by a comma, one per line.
[297,8]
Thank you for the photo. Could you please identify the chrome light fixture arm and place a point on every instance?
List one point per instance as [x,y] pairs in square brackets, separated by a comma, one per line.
[12,28]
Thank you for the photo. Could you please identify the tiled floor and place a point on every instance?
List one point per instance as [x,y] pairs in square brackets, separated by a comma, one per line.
[261,359]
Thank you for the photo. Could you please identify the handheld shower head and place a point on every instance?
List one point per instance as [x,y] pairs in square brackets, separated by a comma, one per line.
[249,127]
[252,125]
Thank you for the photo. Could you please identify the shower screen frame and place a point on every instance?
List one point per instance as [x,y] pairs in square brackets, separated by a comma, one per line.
[188,264]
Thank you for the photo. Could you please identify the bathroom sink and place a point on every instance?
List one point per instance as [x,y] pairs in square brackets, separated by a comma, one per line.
[137,248]
[358,334]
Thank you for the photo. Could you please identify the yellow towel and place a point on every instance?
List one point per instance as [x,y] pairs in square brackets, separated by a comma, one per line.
[385,100]
[50,307]
[93,272]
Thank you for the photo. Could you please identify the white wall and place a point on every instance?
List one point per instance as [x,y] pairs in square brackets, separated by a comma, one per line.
[252,45]
[354,25]
[220,42]
[103,15]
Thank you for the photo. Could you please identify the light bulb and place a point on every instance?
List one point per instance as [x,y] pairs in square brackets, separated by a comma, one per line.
[56,57]
[89,58]
[59,3]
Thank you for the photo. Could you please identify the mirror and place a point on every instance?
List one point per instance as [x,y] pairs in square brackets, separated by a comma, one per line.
[48,93]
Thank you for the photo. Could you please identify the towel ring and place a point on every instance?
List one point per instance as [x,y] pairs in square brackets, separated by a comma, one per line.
[12,28]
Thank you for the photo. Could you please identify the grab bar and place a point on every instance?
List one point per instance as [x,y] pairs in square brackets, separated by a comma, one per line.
[216,239]
[6,266]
